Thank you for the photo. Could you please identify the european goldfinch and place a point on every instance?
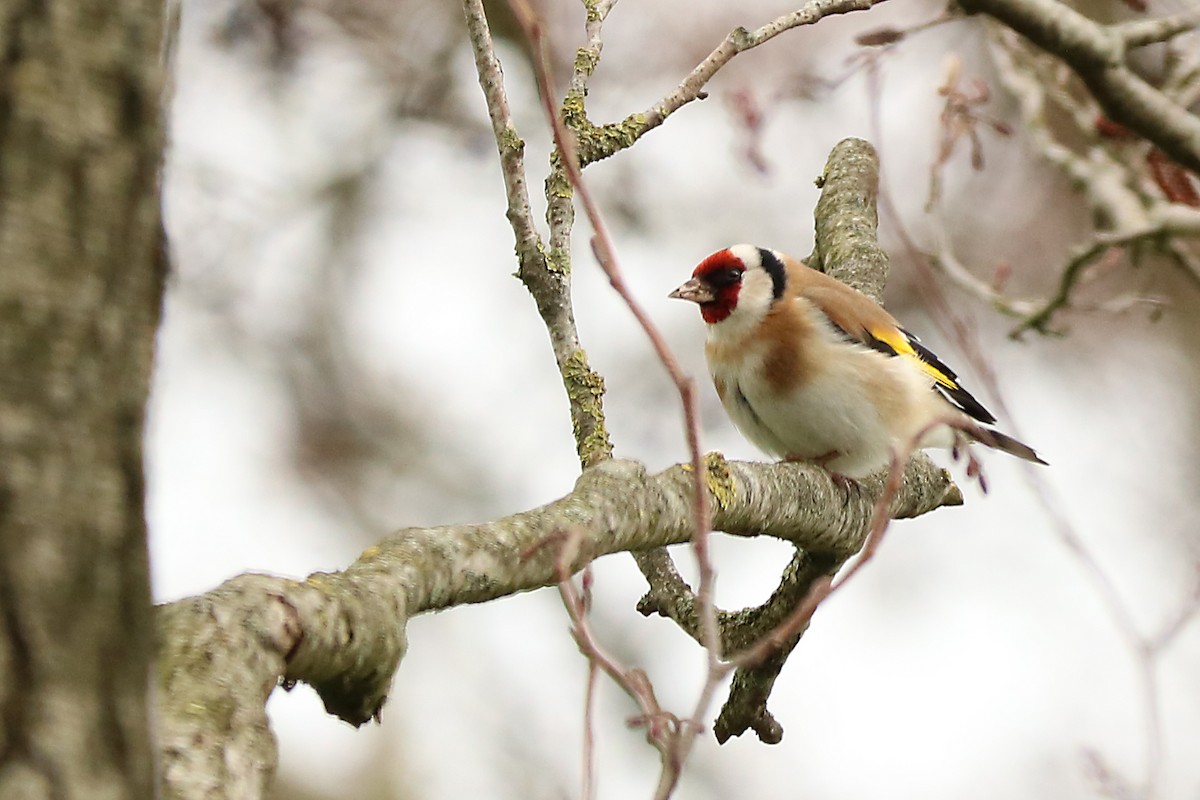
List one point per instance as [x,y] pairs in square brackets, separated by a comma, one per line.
[810,369]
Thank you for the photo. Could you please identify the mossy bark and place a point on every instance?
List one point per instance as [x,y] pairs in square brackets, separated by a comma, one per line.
[80,293]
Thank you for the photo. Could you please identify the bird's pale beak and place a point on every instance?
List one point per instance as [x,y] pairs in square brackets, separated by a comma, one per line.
[694,290]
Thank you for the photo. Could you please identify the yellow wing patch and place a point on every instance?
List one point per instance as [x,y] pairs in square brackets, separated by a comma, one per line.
[899,342]
[901,345]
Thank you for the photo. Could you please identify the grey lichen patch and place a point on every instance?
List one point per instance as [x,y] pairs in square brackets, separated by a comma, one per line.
[585,389]
[719,480]
[475,578]
[531,258]
[741,38]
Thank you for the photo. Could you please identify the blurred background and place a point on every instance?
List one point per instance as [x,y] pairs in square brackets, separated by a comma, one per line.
[345,351]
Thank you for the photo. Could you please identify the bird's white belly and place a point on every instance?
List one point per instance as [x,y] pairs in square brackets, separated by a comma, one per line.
[830,417]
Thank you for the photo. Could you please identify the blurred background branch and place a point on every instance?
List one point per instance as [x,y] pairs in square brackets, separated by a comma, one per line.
[1098,55]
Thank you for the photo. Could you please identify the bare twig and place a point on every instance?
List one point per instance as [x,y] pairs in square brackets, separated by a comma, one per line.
[508,141]
[740,40]
[1121,614]
[1139,33]
[1075,270]
[679,736]
[588,778]
[1110,194]
[633,681]
[946,261]
[1118,610]
[960,118]
[1130,208]
[1188,611]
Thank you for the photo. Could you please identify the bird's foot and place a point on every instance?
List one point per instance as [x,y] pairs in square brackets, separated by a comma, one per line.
[844,482]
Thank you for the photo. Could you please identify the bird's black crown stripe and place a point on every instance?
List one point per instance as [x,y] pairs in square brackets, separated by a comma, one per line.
[775,269]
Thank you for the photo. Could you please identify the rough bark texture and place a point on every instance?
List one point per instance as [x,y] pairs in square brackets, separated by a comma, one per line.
[846,218]
[80,292]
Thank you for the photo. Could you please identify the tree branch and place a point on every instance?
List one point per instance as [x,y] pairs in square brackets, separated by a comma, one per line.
[847,248]
[1097,54]
[846,218]
[344,633]
[598,142]
[546,274]
[1128,209]
[1140,33]
[222,653]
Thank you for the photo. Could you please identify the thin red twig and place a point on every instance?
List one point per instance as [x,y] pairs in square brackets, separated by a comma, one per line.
[632,680]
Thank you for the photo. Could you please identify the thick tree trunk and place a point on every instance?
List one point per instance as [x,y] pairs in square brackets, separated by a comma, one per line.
[81,276]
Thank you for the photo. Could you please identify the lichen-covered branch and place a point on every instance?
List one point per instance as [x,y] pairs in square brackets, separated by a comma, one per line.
[846,227]
[1097,54]
[545,273]
[846,219]
[221,654]
[597,142]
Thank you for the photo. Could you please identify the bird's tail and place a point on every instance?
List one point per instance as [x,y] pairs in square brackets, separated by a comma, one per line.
[1002,441]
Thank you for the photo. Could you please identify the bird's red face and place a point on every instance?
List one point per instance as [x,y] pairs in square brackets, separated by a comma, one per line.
[715,285]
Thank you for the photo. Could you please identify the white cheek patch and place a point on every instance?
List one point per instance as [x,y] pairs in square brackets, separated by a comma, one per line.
[758,292]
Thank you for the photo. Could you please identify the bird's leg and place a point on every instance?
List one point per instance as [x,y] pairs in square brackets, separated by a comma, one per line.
[974,465]
[844,481]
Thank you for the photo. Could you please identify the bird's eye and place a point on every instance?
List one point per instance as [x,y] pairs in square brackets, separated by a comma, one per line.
[726,277]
